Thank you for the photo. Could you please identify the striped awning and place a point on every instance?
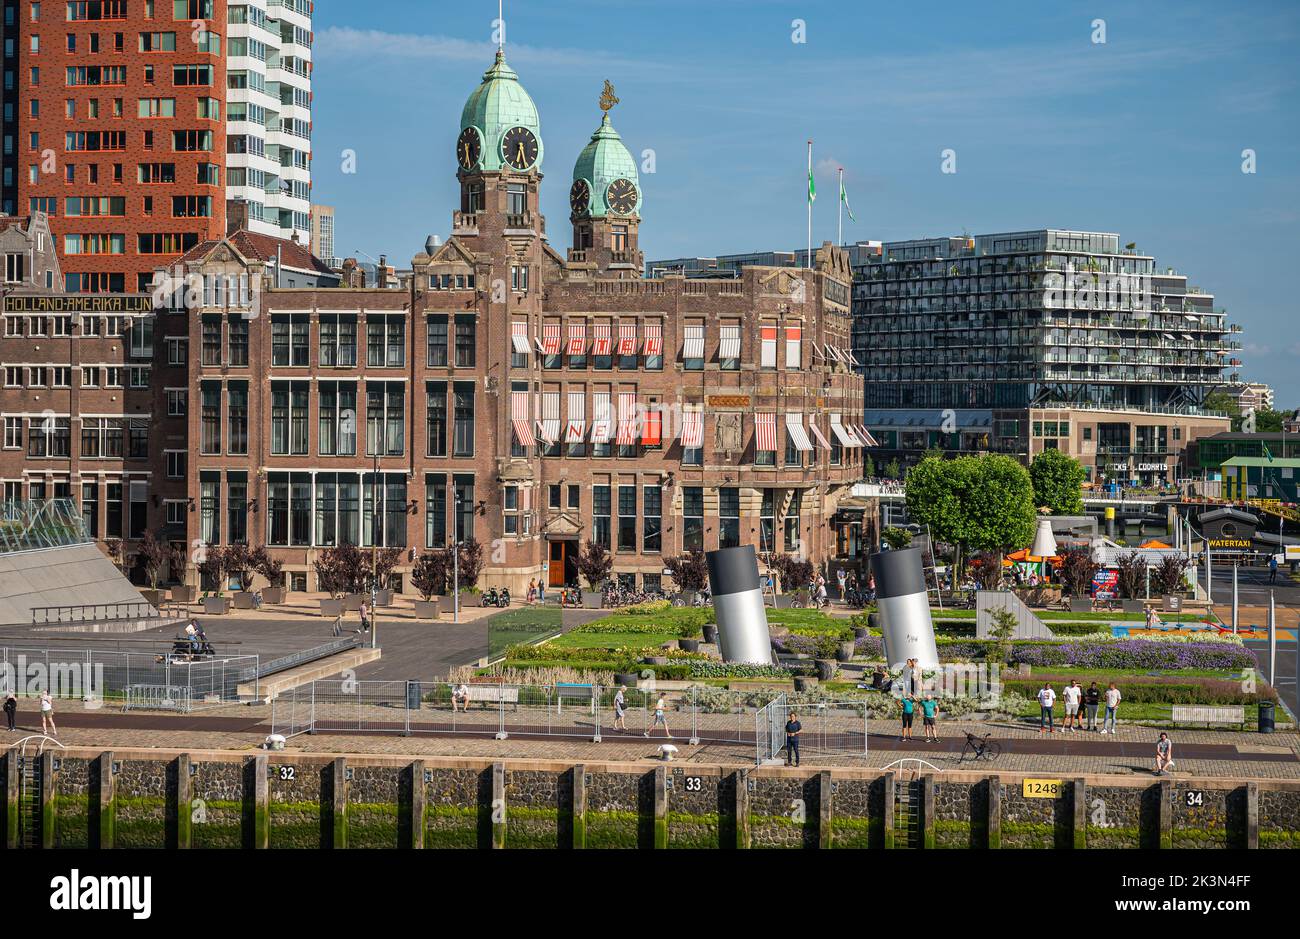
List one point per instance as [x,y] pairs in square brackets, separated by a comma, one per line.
[867,439]
[832,353]
[652,431]
[550,338]
[627,338]
[602,420]
[794,428]
[692,430]
[817,351]
[853,359]
[694,345]
[577,338]
[576,428]
[817,431]
[654,339]
[519,418]
[730,345]
[604,343]
[550,423]
[841,433]
[627,417]
[519,337]
[765,432]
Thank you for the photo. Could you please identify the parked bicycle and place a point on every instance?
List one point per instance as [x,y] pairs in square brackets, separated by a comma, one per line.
[980,748]
[701,598]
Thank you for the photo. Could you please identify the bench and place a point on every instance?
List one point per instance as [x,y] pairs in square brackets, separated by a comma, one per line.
[1207,715]
[580,692]
[493,694]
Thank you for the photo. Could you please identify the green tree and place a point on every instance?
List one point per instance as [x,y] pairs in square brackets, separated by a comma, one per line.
[1268,421]
[891,470]
[896,538]
[1057,479]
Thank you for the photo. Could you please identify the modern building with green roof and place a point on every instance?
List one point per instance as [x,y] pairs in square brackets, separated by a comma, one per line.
[1250,477]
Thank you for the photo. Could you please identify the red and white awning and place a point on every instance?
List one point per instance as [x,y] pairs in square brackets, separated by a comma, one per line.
[602,420]
[654,339]
[817,431]
[694,345]
[550,423]
[729,348]
[765,432]
[652,430]
[627,339]
[867,439]
[519,418]
[550,339]
[692,430]
[603,344]
[576,428]
[842,434]
[794,428]
[577,339]
[519,337]
[627,417]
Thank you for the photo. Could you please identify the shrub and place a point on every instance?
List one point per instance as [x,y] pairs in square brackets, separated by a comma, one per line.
[470,563]
[153,555]
[342,569]
[1167,577]
[689,571]
[1131,569]
[429,575]
[896,538]
[794,572]
[594,563]
[1077,571]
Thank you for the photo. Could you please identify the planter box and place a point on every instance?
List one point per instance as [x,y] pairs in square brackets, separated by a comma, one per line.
[183,593]
[861,632]
[591,600]
[873,620]
[331,608]
[688,645]
[783,601]
[445,604]
[804,683]
[216,606]
[244,600]
[427,609]
[384,597]
[352,602]
[1080,604]
[1134,606]
[273,595]
[826,669]
[711,633]
[845,652]
[152,597]
[626,678]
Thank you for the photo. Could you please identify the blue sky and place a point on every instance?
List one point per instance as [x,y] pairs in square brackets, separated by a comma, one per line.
[1142,134]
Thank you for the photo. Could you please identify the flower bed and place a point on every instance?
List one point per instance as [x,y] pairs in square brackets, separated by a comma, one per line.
[1135,653]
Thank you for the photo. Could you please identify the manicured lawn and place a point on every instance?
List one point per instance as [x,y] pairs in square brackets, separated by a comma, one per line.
[1066,616]
[611,640]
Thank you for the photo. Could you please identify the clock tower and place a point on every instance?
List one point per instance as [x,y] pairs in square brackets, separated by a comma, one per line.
[605,202]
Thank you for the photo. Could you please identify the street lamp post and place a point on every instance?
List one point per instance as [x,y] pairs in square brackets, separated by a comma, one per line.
[374,543]
[455,556]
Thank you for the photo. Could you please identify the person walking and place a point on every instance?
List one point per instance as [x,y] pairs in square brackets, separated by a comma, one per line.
[1073,697]
[1164,754]
[792,730]
[47,715]
[1091,699]
[620,708]
[929,711]
[1046,701]
[1113,697]
[909,711]
[660,718]
[842,576]
[1272,569]
[11,711]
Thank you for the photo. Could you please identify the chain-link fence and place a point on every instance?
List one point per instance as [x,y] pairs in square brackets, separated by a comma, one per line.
[584,711]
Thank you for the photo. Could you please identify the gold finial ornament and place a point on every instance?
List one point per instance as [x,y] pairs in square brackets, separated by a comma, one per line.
[607,98]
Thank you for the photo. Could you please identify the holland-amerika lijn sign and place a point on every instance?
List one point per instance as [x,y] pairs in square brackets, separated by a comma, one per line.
[75,304]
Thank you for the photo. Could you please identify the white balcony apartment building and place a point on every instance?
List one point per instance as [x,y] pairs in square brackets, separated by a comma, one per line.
[268,116]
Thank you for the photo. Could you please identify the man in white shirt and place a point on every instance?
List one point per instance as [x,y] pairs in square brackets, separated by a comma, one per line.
[1113,698]
[1072,695]
[1046,701]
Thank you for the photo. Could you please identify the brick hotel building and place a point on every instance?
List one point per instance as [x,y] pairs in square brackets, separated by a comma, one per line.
[530,398]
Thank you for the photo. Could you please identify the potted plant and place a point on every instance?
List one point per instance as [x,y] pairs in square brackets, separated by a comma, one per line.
[212,565]
[239,565]
[1131,571]
[429,577]
[626,678]
[594,564]
[1169,581]
[826,650]
[793,574]
[711,632]
[385,562]
[153,557]
[273,570]
[690,572]
[844,651]
[338,571]
[176,560]
[1077,570]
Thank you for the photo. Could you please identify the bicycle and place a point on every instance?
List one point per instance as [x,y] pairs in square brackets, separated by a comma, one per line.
[980,748]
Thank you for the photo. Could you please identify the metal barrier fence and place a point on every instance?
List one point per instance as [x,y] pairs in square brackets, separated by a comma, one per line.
[102,674]
[158,698]
[590,712]
[827,728]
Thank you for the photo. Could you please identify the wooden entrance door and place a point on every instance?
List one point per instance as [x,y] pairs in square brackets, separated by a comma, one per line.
[559,561]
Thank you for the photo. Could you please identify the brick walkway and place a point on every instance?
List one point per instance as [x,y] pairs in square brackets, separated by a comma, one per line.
[1198,753]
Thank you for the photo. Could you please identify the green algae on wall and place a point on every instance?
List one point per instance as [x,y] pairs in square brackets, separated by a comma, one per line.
[217,825]
[372,825]
[451,826]
[693,830]
[71,815]
[849,832]
[613,829]
[141,822]
[294,824]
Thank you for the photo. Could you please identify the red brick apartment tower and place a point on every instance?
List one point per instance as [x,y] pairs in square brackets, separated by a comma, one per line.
[114,126]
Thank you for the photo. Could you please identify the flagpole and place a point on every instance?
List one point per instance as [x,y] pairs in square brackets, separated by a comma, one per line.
[808,256]
[840,242]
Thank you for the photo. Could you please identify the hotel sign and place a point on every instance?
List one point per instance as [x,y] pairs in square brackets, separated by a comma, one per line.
[78,304]
[728,401]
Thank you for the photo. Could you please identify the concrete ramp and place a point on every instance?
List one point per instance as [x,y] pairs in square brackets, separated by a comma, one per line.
[66,576]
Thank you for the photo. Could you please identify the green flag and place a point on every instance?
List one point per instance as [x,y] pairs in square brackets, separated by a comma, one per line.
[812,188]
[844,197]
[1268,456]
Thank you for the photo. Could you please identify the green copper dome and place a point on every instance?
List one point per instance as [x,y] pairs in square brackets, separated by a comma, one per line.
[604,160]
[496,107]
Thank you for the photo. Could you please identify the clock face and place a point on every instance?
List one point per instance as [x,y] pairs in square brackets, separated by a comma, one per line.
[469,148]
[519,148]
[580,197]
[621,196]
